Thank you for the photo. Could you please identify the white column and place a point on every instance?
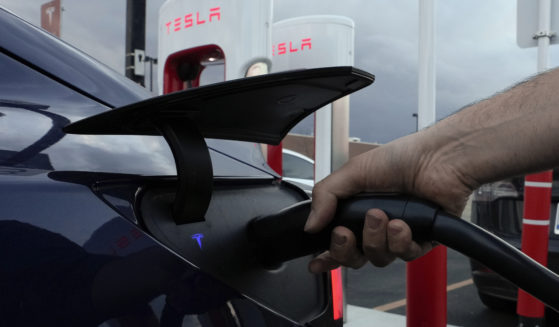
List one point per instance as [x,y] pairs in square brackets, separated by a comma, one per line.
[543,34]
[427,71]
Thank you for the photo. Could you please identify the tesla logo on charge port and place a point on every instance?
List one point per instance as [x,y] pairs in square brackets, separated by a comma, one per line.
[198,238]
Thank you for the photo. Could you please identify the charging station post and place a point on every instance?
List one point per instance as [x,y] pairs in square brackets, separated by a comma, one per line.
[535,28]
[426,276]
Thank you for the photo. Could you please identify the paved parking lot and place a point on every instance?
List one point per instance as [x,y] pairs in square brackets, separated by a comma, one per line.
[384,289]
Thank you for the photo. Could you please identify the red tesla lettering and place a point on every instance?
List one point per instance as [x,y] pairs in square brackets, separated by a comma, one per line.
[291,48]
[281,49]
[198,21]
[306,42]
[176,24]
[123,242]
[214,12]
[188,22]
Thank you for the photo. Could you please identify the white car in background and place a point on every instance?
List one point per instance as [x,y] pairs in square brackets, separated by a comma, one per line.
[298,169]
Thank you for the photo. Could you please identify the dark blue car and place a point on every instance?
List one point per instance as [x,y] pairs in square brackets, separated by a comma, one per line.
[104,222]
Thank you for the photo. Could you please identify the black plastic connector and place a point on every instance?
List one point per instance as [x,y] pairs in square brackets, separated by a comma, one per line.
[280,237]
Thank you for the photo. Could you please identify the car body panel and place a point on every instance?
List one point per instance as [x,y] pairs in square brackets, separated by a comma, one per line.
[49,106]
[75,248]
[62,244]
[66,64]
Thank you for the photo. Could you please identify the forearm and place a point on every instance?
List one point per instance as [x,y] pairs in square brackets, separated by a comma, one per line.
[512,133]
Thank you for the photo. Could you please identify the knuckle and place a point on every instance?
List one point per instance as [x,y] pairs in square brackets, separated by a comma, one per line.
[340,254]
[318,188]
[402,248]
[372,248]
[409,253]
[409,256]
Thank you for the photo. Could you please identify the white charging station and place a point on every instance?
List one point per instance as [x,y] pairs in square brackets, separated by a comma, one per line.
[312,42]
[194,34]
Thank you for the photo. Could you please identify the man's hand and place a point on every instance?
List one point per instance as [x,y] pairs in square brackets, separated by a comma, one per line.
[506,135]
[383,241]
[403,166]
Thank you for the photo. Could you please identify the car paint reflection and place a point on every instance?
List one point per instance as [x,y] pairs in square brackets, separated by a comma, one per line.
[146,155]
[53,135]
[53,277]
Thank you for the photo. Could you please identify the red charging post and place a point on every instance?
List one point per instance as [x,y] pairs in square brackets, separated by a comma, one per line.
[274,158]
[426,290]
[426,276]
[337,293]
[535,239]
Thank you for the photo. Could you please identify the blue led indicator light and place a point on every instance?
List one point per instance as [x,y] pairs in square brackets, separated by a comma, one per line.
[198,238]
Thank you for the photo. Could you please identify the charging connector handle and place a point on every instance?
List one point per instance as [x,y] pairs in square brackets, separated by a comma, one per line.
[283,238]
[280,237]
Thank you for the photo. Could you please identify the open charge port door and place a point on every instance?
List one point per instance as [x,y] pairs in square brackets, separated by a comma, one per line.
[219,245]
[204,219]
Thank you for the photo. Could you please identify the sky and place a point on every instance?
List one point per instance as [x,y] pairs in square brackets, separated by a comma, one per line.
[476,51]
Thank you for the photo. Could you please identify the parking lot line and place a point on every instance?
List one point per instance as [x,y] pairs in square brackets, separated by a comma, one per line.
[391,305]
[463,283]
[401,303]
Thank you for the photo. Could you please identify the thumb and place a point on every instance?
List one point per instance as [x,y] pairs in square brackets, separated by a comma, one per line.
[339,185]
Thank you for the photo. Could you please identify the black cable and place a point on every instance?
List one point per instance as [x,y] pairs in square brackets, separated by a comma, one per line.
[497,255]
[280,237]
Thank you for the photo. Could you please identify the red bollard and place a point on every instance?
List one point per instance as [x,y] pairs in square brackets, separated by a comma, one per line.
[274,158]
[426,290]
[337,293]
[535,239]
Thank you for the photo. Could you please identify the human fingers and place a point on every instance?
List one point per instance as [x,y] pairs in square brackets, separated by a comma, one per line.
[340,184]
[322,263]
[401,244]
[343,251]
[375,245]
[343,248]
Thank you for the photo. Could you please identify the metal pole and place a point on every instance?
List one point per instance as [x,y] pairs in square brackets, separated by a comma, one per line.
[135,36]
[151,74]
[340,155]
[544,34]
[426,276]
[152,61]
[426,70]
[537,196]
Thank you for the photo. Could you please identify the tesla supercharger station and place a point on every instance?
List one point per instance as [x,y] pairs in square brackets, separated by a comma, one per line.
[194,34]
[311,42]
